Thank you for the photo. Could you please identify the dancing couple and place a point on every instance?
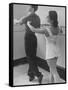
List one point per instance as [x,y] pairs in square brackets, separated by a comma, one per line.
[32,24]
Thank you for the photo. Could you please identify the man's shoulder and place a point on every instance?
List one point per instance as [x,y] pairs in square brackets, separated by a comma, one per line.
[33,17]
[36,15]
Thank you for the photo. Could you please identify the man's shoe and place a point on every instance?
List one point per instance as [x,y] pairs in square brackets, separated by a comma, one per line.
[40,79]
[31,78]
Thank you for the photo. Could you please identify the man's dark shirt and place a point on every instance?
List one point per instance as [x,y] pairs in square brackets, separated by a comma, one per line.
[35,22]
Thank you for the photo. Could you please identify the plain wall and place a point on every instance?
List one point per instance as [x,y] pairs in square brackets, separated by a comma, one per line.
[19,51]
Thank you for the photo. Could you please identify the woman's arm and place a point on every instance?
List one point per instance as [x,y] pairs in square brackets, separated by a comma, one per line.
[37,30]
[41,30]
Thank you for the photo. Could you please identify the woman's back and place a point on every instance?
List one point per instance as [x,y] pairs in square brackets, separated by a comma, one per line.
[53,34]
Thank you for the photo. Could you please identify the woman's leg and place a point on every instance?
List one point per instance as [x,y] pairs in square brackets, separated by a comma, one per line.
[54,76]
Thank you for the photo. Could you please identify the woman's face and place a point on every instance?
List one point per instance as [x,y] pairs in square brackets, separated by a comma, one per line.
[49,20]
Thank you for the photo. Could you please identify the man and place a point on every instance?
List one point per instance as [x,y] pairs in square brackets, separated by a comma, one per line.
[31,42]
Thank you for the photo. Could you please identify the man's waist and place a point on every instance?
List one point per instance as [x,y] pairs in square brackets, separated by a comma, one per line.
[30,32]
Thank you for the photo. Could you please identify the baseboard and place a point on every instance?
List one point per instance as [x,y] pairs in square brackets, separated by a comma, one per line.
[43,64]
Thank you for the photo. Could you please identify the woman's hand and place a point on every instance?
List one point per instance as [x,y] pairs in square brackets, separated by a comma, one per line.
[28,23]
[15,21]
[37,30]
[30,26]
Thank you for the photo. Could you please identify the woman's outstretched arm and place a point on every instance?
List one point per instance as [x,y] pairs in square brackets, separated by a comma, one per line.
[41,30]
[37,30]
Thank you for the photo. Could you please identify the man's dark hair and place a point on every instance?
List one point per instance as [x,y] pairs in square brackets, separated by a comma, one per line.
[35,7]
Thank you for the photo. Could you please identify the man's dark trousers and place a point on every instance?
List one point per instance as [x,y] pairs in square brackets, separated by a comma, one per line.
[31,49]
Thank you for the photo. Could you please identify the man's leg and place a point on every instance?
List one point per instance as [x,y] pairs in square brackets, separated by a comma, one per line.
[30,70]
[31,48]
[36,70]
[34,67]
[29,52]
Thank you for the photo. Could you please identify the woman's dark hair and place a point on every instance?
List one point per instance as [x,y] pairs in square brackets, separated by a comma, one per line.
[53,16]
[35,7]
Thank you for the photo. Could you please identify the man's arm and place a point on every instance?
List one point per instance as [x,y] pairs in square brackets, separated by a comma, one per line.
[22,20]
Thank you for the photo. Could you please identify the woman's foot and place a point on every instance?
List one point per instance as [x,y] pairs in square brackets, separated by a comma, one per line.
[51,79]
[57,78]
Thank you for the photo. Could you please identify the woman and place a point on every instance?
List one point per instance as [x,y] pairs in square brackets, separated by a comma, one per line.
[51,34]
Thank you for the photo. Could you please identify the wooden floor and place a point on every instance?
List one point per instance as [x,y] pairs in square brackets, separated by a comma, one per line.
[20,76]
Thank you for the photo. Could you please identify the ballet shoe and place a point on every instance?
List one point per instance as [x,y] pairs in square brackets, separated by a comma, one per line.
[51,79]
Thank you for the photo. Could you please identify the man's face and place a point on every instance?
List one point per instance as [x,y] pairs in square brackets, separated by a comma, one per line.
[30,9]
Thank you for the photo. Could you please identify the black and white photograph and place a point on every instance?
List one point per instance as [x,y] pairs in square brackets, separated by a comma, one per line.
[37,44]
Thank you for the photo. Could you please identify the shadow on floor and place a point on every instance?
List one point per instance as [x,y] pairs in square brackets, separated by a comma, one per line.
[43,64]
